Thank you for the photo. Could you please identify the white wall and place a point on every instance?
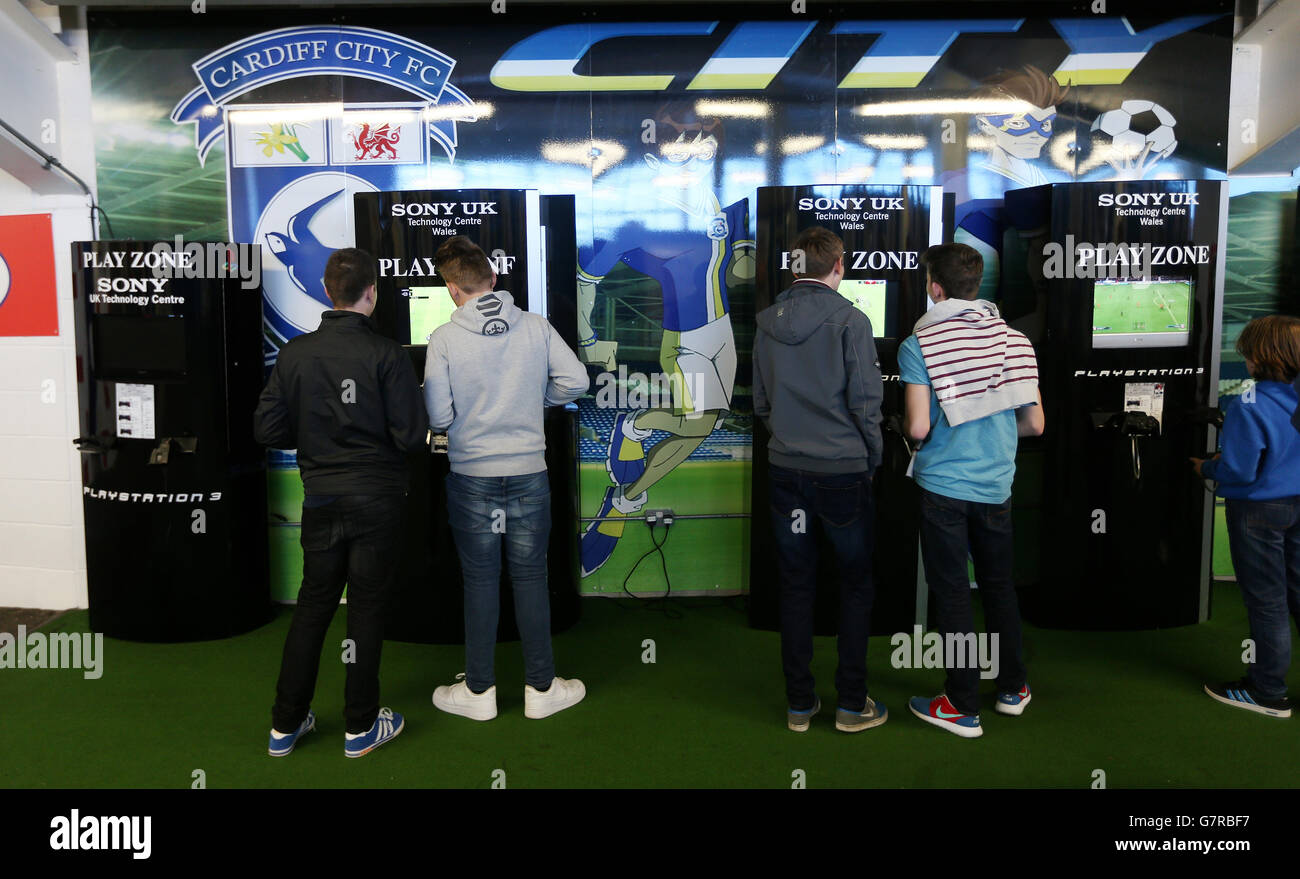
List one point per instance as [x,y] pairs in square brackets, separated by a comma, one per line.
[42,549]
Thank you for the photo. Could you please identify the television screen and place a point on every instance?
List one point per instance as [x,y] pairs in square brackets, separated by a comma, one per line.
[431,307]
[871,297]
[137,346]
[1152,313]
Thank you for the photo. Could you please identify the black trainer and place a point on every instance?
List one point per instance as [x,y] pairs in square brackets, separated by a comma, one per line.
[1239,694]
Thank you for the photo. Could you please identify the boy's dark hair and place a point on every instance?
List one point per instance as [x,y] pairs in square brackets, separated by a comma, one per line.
[957,268]
[821,249]
[348,273]
[1272,343]
[463,263]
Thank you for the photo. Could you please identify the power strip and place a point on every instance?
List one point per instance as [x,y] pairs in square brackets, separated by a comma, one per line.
[658,517]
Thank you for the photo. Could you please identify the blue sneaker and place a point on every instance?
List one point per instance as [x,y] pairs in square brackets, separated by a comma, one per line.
[941,713]
[600,538]
[282,743]
[625,457]
[386,728]
[1013,703]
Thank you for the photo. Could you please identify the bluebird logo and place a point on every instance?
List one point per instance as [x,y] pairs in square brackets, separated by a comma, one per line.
[300,226]
[302,253]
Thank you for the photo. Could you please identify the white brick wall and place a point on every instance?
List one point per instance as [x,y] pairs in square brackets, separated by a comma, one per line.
[42,543]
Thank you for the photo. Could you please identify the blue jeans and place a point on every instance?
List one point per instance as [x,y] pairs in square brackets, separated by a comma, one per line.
[1264,537]
[842,504]
[483,510]
[949,529]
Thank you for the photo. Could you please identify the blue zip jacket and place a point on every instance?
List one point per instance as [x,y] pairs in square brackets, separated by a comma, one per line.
[1260,450]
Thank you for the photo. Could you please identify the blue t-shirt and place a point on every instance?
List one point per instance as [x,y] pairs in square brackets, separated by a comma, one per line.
[975,461]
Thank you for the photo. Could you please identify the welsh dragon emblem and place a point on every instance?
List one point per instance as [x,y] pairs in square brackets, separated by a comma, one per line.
[375,143]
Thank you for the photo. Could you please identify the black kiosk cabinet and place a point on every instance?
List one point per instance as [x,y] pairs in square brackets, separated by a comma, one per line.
[169,369]
[531,241]
[885,228]
[1132,273]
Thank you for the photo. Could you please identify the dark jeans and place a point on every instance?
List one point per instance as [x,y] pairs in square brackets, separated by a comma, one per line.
[483,510]
[1264,537]
[841,504]
[355,540]
[949,528]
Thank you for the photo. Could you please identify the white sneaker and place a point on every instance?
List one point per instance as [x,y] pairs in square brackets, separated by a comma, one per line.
[458,698]
[562,694]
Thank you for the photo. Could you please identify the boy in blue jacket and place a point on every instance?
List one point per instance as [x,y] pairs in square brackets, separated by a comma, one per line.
[1258,472]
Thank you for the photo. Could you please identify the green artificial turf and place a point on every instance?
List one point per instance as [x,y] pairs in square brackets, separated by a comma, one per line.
[708,713]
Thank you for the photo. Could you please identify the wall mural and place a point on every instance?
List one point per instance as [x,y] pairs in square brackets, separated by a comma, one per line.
[663,127]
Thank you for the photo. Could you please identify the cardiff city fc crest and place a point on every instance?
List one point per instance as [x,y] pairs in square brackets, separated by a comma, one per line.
[293,168]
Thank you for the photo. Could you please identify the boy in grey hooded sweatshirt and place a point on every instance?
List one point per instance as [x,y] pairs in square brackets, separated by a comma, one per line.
[818,389]
[489,373]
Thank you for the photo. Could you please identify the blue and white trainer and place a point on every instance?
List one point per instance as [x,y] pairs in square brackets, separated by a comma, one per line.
[625,455]
[1013,703]
[601,538]
[386,728]
[282,743]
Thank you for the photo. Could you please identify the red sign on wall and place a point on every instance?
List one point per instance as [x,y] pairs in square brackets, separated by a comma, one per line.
[28,299]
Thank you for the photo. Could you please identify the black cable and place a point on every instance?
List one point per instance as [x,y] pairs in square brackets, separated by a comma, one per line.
[94,207]
[658,602]
[53,162]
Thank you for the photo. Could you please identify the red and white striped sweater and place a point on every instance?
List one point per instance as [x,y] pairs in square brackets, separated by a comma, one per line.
[977,364]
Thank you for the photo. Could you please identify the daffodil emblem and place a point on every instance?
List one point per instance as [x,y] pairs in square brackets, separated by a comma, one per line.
[280,137]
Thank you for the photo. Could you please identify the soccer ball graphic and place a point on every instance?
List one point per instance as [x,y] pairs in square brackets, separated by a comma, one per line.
[1134,126]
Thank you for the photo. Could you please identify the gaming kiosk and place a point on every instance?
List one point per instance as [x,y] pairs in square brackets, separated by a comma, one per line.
[169,369]
[1132,273]
[885,228]
[531,241]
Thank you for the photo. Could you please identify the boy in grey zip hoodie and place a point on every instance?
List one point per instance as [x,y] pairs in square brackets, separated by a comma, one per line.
[818,389]
[488,375]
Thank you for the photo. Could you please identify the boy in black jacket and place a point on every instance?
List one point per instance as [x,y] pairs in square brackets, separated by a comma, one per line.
[346,398]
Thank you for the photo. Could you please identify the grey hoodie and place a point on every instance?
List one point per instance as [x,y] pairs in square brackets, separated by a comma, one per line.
[489,373]
[817,383]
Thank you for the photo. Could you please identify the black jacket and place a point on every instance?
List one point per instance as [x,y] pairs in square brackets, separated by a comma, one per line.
[817,382]
[346,398]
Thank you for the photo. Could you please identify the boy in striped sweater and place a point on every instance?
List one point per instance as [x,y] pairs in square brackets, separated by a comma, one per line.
[970,390]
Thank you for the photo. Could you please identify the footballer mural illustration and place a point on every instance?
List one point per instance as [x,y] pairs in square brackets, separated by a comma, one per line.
[693,265]
[1016,137]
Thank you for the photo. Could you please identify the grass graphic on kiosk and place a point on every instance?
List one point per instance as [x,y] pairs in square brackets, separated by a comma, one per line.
[1126,307]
